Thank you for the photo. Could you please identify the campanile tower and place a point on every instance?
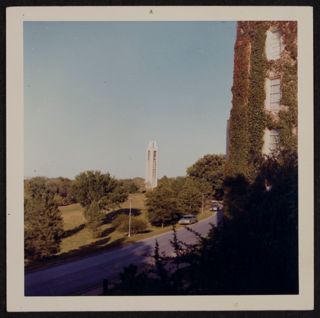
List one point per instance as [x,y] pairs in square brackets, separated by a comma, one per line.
[151,165]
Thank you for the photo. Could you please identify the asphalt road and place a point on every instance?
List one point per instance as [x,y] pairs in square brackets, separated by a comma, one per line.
[80,276]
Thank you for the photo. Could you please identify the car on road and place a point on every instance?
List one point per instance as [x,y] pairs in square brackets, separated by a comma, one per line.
[188,219]
[214,207]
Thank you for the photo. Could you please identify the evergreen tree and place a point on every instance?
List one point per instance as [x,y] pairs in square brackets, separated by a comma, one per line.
[43,225]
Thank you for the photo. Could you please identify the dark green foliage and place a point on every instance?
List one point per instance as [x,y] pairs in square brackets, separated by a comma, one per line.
[238,130]
[140,184]
[172,198]
[162,205]
[62,189]
[121,223]
[189,198]
[130,185]
[209,171]
[94,216]
[255,253]
[288,120]
[134,283]
[93,186]
[256,107]
[248,118]
[43,226]
[235,196]
[59,187]
[97,193]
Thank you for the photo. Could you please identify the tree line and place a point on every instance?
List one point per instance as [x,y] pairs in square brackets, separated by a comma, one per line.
[99,193]
[43,224]
[175,197]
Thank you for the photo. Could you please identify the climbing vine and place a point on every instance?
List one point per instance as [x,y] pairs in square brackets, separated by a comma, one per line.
[238,129]
[248,117]
[257,95]
[286,121]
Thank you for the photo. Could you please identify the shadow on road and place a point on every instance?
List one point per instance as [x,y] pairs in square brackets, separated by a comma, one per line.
[73,255]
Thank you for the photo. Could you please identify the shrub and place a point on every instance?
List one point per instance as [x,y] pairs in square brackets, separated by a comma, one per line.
[94,216]
[138,225]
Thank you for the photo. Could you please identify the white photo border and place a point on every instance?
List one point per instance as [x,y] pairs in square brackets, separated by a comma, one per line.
[16,301]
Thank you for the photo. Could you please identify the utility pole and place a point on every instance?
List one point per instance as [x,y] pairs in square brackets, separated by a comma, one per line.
[129,232]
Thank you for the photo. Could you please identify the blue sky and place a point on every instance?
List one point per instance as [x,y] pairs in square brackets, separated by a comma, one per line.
[97,92]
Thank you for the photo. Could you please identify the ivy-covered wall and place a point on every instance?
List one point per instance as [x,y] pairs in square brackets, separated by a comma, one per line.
[248,116]
[257,95]
[238,125]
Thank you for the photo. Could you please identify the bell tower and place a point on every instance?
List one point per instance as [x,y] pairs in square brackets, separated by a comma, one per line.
[151,165]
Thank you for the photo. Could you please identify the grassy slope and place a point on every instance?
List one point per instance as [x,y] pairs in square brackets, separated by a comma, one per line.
[81,239]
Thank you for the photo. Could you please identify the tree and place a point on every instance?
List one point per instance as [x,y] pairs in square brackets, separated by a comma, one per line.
[172,198]
[209,170]
[94,216]
[97,192]
[59,187]
[162,205]
[93,186]
[189,198]
[43,225]
[130,185]
[235,196]
[138,225]
[62,189]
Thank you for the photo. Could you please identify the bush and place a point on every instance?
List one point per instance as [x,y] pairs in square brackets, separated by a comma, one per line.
[138,225]
[94,216]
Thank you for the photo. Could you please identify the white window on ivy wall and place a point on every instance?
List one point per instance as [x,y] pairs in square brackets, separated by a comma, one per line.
[273,45]
[274,140]
[271,141]
[273,94]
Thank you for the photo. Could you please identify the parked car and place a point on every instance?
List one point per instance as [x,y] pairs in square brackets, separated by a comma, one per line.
[188,219]
[215,207]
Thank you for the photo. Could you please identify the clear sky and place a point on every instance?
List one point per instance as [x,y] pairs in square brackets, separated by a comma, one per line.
[96,93]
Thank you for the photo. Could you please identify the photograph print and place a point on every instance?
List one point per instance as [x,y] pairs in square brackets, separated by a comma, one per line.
[160,158]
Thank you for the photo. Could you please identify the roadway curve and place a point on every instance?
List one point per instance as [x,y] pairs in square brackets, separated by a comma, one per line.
[81,276]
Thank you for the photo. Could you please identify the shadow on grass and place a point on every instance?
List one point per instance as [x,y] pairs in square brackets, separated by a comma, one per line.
[113,214]
[98,245]
[102,243]
[73,231]
[107,231]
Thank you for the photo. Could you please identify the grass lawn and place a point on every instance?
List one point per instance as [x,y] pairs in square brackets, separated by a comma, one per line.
[79,240]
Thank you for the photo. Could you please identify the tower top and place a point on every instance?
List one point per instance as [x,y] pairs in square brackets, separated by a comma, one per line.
[151,165]
[153,145]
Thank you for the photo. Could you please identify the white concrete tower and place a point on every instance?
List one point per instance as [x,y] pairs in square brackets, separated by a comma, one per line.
[151,165]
